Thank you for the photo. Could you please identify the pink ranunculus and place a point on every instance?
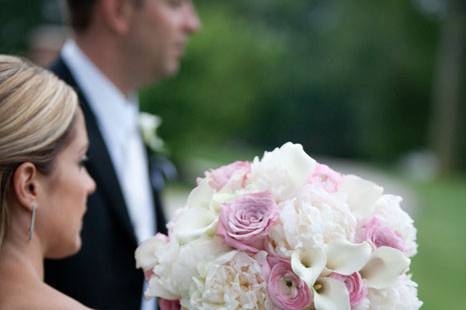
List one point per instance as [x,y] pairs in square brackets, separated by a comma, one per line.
[275,259]
[219,177]
[329,179]
[375,232]
[244,222]
[166,304]
[356,290]
[286,289]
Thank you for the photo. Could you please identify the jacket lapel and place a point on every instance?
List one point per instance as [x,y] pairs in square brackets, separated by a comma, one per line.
[99,165]
[157,182]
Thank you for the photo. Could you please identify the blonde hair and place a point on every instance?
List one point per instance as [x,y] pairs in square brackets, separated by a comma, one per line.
[37,112]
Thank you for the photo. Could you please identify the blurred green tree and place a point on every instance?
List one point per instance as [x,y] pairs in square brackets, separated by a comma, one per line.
[447,89]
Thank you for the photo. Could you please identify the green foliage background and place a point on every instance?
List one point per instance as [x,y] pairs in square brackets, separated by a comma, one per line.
[348,79]
[344,78]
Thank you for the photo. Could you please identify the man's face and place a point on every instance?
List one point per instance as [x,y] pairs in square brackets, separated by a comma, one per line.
[158,36]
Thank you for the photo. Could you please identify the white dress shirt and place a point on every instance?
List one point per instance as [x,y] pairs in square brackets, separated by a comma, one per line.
[117,116]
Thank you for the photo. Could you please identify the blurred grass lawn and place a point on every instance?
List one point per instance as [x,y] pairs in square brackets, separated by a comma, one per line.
[440,265]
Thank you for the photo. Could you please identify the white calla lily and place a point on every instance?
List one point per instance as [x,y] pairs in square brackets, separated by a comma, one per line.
[194,223]
[362,195]
[345,258]
[308,264]
[200,196]
[299,164]
[384,267]
[331,294]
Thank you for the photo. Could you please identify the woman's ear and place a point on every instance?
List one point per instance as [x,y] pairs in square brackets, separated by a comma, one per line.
[25,184]
[117,14]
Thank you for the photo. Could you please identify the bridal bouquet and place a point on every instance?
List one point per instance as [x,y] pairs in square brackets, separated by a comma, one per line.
[283,232]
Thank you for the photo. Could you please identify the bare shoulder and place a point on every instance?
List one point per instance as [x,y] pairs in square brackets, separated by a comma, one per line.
[42,297]
[57,300]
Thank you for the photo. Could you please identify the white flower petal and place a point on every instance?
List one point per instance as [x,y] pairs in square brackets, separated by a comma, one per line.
[362,195]
[145,253]
[218,199]
[157,288]
[200,196]
[282,171]
[192,258]
[192,223]
[384,267]
[308,264]
[299,164]
[345,258]
[332,296]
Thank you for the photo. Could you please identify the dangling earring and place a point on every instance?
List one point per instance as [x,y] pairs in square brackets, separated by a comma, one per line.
[33,220]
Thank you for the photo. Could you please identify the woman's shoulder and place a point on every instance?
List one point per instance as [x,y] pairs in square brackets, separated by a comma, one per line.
[41,297]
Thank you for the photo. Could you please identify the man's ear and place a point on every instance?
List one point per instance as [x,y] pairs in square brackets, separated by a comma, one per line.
[26,184]
[117,14]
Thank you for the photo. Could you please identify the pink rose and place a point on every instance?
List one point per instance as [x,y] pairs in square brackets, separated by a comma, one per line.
[329,179]
[286,289]
[379,235]
[219,177]
[166,304]
[354,284]
[245,221]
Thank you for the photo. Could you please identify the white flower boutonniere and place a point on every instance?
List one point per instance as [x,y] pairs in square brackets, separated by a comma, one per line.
[149,124]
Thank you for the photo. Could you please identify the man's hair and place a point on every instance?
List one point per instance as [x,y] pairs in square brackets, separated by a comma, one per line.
[80,13]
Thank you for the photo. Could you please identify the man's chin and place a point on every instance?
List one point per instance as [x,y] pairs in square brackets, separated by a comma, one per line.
[167,71]
[172,69]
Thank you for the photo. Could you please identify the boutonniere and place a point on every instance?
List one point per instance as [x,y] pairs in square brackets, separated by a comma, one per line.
[149,123]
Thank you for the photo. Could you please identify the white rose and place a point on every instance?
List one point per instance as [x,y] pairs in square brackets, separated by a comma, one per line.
[193,223]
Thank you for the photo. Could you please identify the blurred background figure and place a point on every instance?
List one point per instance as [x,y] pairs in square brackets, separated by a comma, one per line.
[117,47]
[45,43]
[369,88]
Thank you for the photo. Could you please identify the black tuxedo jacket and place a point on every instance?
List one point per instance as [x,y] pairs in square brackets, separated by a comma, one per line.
[103,274]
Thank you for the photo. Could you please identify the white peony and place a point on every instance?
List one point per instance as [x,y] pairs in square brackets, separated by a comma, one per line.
[160,283]
[401,296]
[338,220]
[233,281]
[315,217]
[302,224]
[388,210]
[146,253]
[173,274]
[282,171]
